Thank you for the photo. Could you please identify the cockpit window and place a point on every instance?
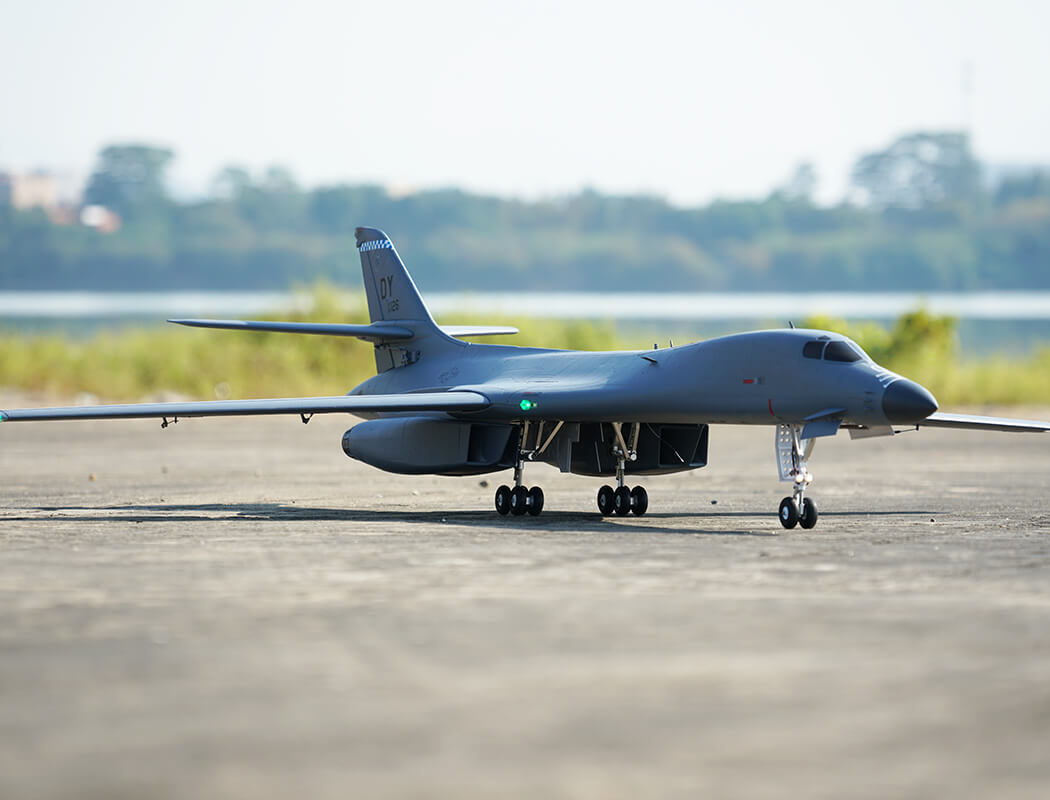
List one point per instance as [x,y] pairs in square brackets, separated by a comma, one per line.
[813,349]
[840,351]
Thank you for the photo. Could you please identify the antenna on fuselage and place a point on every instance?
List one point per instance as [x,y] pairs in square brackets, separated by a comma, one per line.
[791,325]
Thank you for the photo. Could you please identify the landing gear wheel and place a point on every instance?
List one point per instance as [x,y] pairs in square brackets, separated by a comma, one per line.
[519,500]
[807,517]
[503,500]
[606,500]
[622,501]
[789,512]
[535,501]
[639,500]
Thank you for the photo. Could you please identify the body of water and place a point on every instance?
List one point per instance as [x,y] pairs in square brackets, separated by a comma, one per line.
[563,305]
[989,322]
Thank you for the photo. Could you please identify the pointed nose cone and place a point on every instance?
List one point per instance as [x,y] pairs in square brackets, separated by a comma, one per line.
[906,402]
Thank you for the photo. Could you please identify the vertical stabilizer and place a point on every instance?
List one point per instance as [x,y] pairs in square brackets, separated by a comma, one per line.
[392,296]
[391,293]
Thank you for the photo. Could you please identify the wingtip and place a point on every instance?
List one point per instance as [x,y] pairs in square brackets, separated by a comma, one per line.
[197,323]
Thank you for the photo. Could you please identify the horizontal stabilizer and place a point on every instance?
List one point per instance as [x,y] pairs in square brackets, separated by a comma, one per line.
[347,404]
[376,332]
[477,330]
[971,422]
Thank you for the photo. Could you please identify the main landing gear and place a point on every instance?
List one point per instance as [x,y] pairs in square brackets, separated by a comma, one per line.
[623,500]
[521,500]
[536,438]
[792,456]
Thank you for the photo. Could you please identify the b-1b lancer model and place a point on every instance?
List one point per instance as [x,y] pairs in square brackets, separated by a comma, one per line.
[440,405]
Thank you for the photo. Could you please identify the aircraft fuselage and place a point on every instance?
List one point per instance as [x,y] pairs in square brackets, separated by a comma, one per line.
[762,377]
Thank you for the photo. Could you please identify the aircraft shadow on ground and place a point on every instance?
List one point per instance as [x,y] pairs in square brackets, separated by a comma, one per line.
[548,522]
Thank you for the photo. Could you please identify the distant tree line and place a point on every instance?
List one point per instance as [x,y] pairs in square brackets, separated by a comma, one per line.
[919,217]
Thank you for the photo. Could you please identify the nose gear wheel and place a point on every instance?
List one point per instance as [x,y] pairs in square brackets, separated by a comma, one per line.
[793,453]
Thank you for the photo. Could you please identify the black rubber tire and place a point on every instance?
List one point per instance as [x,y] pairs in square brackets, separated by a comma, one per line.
[807,517]
[503,500]
[535,501]
[788,512]
[622,501]
[639,500]
[519,500]
[606,498]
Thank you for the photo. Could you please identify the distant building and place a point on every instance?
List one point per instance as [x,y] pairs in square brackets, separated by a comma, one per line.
[100,218]
[29,190]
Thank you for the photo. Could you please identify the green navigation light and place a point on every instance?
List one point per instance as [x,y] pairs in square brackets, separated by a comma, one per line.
[526,404]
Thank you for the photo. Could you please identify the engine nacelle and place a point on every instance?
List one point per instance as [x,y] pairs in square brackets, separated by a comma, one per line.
[428,445]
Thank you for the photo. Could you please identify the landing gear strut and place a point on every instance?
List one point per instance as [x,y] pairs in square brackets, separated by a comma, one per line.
[623,500]
[792,457]
[521,500]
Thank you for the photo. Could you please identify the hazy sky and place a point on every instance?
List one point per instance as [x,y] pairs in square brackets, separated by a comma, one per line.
[685,100]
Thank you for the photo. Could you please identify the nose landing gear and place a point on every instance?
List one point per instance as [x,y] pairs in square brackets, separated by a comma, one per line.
[792,457]
[623,500]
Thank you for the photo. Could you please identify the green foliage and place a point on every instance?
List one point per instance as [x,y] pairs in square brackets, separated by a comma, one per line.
[129,179]
[135,364]
[915,337]
[930,227]
[920,170]
[206,364]
[1034,185]
[924,346]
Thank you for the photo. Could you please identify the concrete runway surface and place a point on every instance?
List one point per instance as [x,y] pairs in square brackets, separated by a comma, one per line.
[234,609]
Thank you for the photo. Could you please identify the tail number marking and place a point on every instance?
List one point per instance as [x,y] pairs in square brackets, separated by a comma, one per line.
[386,293]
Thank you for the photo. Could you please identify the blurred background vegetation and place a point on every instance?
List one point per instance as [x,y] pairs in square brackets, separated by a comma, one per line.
[922,215]
[164,363]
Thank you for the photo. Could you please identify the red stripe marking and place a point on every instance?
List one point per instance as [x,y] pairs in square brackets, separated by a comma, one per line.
[749,380]
[771,407]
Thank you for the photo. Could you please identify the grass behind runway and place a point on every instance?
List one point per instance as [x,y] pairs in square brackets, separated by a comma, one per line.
[148,362]
[134,363]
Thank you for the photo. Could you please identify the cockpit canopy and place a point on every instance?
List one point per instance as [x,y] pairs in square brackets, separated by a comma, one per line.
[830,349]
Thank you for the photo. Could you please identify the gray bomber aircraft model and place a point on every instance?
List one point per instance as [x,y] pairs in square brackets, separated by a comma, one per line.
[440,405]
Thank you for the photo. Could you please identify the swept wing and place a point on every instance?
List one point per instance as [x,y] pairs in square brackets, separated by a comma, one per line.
[973,422]
[421,401]
[377,332]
